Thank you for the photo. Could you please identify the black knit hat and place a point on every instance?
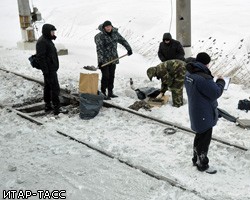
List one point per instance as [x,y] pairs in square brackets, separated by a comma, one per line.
[203,57]
[106,23]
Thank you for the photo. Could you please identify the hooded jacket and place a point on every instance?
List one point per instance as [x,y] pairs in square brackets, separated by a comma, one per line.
[46,51]
[172,50]
[202,94]
[106,45]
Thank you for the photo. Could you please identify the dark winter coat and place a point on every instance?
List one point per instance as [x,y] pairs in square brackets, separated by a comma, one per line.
[46,51]
[172,50]
[106,45]
[202,94]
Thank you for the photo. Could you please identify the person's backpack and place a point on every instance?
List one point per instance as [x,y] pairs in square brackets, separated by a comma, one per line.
[33,62]
[244,105]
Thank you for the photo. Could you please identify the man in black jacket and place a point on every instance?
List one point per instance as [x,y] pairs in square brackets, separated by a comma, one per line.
[47,58]
[170,49]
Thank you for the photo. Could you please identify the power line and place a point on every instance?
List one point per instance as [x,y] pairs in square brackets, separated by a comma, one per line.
[170,25]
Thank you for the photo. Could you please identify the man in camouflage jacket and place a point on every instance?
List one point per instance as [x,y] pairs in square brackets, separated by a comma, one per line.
[171,73]
[106,47]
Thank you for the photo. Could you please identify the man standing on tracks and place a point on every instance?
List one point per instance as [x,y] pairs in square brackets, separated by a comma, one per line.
[202,94]
[170,49]
[47,58]
[106,47]
[171,73]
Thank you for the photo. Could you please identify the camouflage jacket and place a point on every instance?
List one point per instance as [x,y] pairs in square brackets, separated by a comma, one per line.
[171,73]
[106,45]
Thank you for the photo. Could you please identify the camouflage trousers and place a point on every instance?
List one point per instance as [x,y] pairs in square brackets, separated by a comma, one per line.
[177,96]
[177,90]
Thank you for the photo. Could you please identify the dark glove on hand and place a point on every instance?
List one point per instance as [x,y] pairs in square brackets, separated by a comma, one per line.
[130,52]
[45,72]
[99,64]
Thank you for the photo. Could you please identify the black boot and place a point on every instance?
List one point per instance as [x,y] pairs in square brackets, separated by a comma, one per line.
[105,96]
[58,109]
[194,159]
[104,92]
[48,107]
[202,162]
[111,94]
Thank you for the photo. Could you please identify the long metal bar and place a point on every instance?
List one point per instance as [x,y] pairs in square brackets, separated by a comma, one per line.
[144,170]
[106,104]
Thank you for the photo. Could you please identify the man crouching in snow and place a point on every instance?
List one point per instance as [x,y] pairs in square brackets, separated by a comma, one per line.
[171,73]
[202,94]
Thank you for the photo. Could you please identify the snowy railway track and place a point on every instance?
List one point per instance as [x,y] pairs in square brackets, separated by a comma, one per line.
[171,180]
[75,98]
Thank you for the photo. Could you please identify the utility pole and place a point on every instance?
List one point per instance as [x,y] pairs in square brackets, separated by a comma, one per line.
[183,24]
[25,21]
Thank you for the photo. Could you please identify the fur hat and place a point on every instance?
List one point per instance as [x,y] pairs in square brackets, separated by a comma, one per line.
[203,57]
[106,23]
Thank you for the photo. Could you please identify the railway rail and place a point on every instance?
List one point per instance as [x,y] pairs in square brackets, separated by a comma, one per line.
[75,99]
[170,180]
[25,111]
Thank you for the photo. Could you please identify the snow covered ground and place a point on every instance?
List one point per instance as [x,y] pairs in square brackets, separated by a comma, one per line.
[34,157]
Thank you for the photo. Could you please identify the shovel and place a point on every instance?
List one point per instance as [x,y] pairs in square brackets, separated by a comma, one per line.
[93,68]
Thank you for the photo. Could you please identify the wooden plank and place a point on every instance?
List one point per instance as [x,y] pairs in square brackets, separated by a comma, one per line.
[25,116]
[32,107]
[158,103]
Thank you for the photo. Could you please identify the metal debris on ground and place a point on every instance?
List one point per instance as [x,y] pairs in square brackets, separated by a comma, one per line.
[169,131]
[140,104]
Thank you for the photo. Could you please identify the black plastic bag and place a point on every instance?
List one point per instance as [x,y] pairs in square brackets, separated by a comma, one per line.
[90,105]
[143,93]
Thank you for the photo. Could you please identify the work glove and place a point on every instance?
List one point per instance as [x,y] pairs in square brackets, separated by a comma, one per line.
[159,96]
[130,52]
[45,72]
[99,64]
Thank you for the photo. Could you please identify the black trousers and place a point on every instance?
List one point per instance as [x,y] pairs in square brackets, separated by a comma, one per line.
[108,76]
[201,146]
[51,89]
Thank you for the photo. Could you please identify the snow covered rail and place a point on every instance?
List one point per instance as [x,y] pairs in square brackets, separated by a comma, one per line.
[63,92]
[171,180]
[163,161]
[75,98]
[184,129]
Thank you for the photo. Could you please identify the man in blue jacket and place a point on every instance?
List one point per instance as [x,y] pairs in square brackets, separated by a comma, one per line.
[202,94]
